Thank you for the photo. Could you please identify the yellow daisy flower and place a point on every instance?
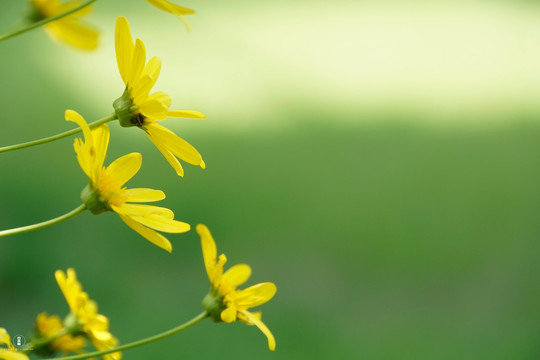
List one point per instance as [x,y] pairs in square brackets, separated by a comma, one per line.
[225,302]
[84,314]
[136,107]
[48,326]
[105,191]
[68,29]
[11,352]
[172,8]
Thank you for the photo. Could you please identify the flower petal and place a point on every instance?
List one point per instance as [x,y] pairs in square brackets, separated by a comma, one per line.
[161,223]
[100,137]
[143,210]
[176,145]
[155,106]
[173,161]
[149,234]
[179,11]
[191,114]
[249,317]
[255,295]
[209,250]
[74,116]
[229,314]
[123,43]
[137,62]
[144,195]
[125,167]
[234,277]
[74,33]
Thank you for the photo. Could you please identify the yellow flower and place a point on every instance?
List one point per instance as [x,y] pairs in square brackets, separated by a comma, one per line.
[177,10]
[105,191]
[136,107]
[68,29]
[49,326]
[84,314]
[225,302]
[11,352]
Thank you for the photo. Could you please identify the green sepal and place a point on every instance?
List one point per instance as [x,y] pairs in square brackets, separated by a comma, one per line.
[93,201]
[126,112]
[213,304]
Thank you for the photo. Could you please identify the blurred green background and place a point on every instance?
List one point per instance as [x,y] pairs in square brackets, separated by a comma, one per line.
[377,160]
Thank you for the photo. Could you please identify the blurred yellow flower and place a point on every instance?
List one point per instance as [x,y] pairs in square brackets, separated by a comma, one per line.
[177,10]
[84,314]
[137,108]
[11,352]
[68,29]
[48,326]
[105,191]
[224,302]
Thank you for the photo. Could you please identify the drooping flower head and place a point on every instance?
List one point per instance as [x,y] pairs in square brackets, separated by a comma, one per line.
[69,29]
[84,314]
[225,302]
[10,352]
[137,107]
[106,191]
[172,8]
[47,326]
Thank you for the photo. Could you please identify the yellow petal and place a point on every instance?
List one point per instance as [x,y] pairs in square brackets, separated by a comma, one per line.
[176,145]
[173,161]
[147,79]
[74,116]
[12,355]
[124,47]
[255,295]
[125,167]
[160,223]
[149,234]
[137,62]
[144,195]
[179,11]
[229,314]
[209,250]
[192,114]
[155,106]
[143,210]
[101,137]
[256,321]
[170,7]
[73,33]
[234,277]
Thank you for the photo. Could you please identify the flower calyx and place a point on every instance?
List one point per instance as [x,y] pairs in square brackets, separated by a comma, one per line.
[94,201]
[213,304]
[126,112]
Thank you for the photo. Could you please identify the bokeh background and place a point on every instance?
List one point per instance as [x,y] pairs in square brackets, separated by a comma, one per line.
[377,160]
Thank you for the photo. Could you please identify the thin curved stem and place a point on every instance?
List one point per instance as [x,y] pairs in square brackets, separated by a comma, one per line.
[145,341]
[44,224]
[56,137]
[44,21]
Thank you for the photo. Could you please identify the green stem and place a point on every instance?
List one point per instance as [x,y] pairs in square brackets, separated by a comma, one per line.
[56,137]
[44,224]
[44,21]
[148,340]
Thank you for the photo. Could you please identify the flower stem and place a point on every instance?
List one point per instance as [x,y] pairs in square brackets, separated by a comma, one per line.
[57,136]
[44,224]
[145,341]
[44,21]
